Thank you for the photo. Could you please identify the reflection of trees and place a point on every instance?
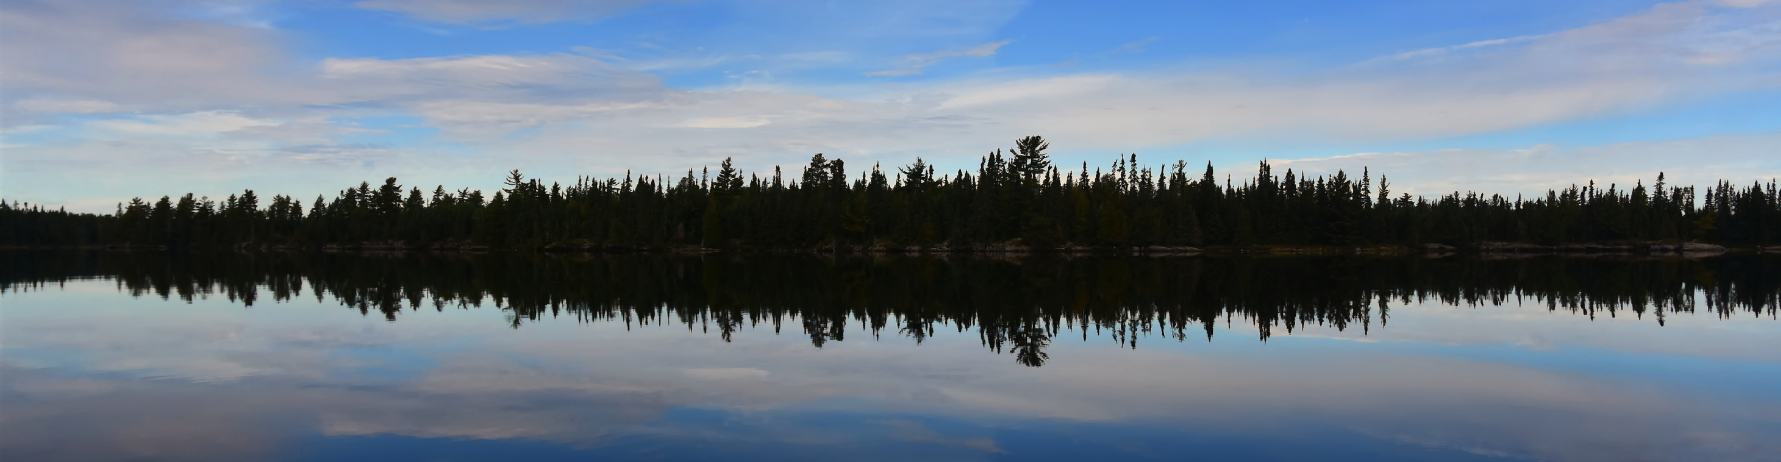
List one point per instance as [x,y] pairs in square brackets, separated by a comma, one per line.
[1017,305]
[1028,345]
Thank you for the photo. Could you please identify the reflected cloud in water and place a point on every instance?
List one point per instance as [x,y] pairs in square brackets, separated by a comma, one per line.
[93,375]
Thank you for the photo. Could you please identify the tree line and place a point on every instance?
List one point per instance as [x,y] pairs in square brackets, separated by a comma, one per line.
[1014,305]
[1017,194]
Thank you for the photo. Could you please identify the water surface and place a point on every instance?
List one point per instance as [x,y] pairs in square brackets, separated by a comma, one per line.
[226,356]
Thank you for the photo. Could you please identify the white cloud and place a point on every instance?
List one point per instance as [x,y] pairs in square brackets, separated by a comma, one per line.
[208,153]
[193,124]
[1030,90]
[1618,67]
[63,106]
[1536,169]
[559,79]
[1671,53]
[592,113]
[1135,46]
[726,373]
[521,11]
[726,122]
[818,56]
[130,59]
[485,66]
[1432,52]
[913,64]
[23,129]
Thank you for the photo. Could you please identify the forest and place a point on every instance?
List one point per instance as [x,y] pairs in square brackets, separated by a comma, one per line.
[1014,195]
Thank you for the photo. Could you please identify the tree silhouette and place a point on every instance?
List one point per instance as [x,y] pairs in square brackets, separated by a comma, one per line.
[1014,195]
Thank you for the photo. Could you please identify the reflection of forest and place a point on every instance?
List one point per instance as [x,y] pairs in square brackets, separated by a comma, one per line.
[1015,305]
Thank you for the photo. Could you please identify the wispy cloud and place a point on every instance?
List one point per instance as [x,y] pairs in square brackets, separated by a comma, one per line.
[592,113]
[913,64]
[1442,51]
[66,106]
[494,13]
[1135,46]
[1535,169]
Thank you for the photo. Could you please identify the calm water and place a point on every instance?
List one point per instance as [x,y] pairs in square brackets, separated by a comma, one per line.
[120,356]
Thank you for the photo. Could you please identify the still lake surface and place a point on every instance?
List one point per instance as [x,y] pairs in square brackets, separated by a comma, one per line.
[293,357]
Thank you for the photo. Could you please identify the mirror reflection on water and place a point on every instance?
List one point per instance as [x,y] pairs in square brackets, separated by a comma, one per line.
[300,356]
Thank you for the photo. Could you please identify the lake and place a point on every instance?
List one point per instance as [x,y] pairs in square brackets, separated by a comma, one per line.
[498,356]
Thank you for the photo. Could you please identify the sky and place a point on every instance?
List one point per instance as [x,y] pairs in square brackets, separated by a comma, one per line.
[101,101]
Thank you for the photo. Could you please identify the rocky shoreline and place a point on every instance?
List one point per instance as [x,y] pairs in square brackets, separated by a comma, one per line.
[1683,248]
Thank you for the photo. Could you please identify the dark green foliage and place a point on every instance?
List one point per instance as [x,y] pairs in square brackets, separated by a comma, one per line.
[1018,197]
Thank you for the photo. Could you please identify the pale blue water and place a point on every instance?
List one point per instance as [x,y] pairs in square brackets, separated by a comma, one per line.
[93,373]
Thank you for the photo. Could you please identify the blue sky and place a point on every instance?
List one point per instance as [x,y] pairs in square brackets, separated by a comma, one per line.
[106,100]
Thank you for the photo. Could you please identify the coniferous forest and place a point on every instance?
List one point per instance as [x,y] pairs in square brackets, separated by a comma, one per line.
[1019,194]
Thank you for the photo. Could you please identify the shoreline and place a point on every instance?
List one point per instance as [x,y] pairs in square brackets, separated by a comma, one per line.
[1014,248]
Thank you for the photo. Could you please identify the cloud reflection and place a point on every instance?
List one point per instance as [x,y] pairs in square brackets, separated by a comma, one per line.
[114,390]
